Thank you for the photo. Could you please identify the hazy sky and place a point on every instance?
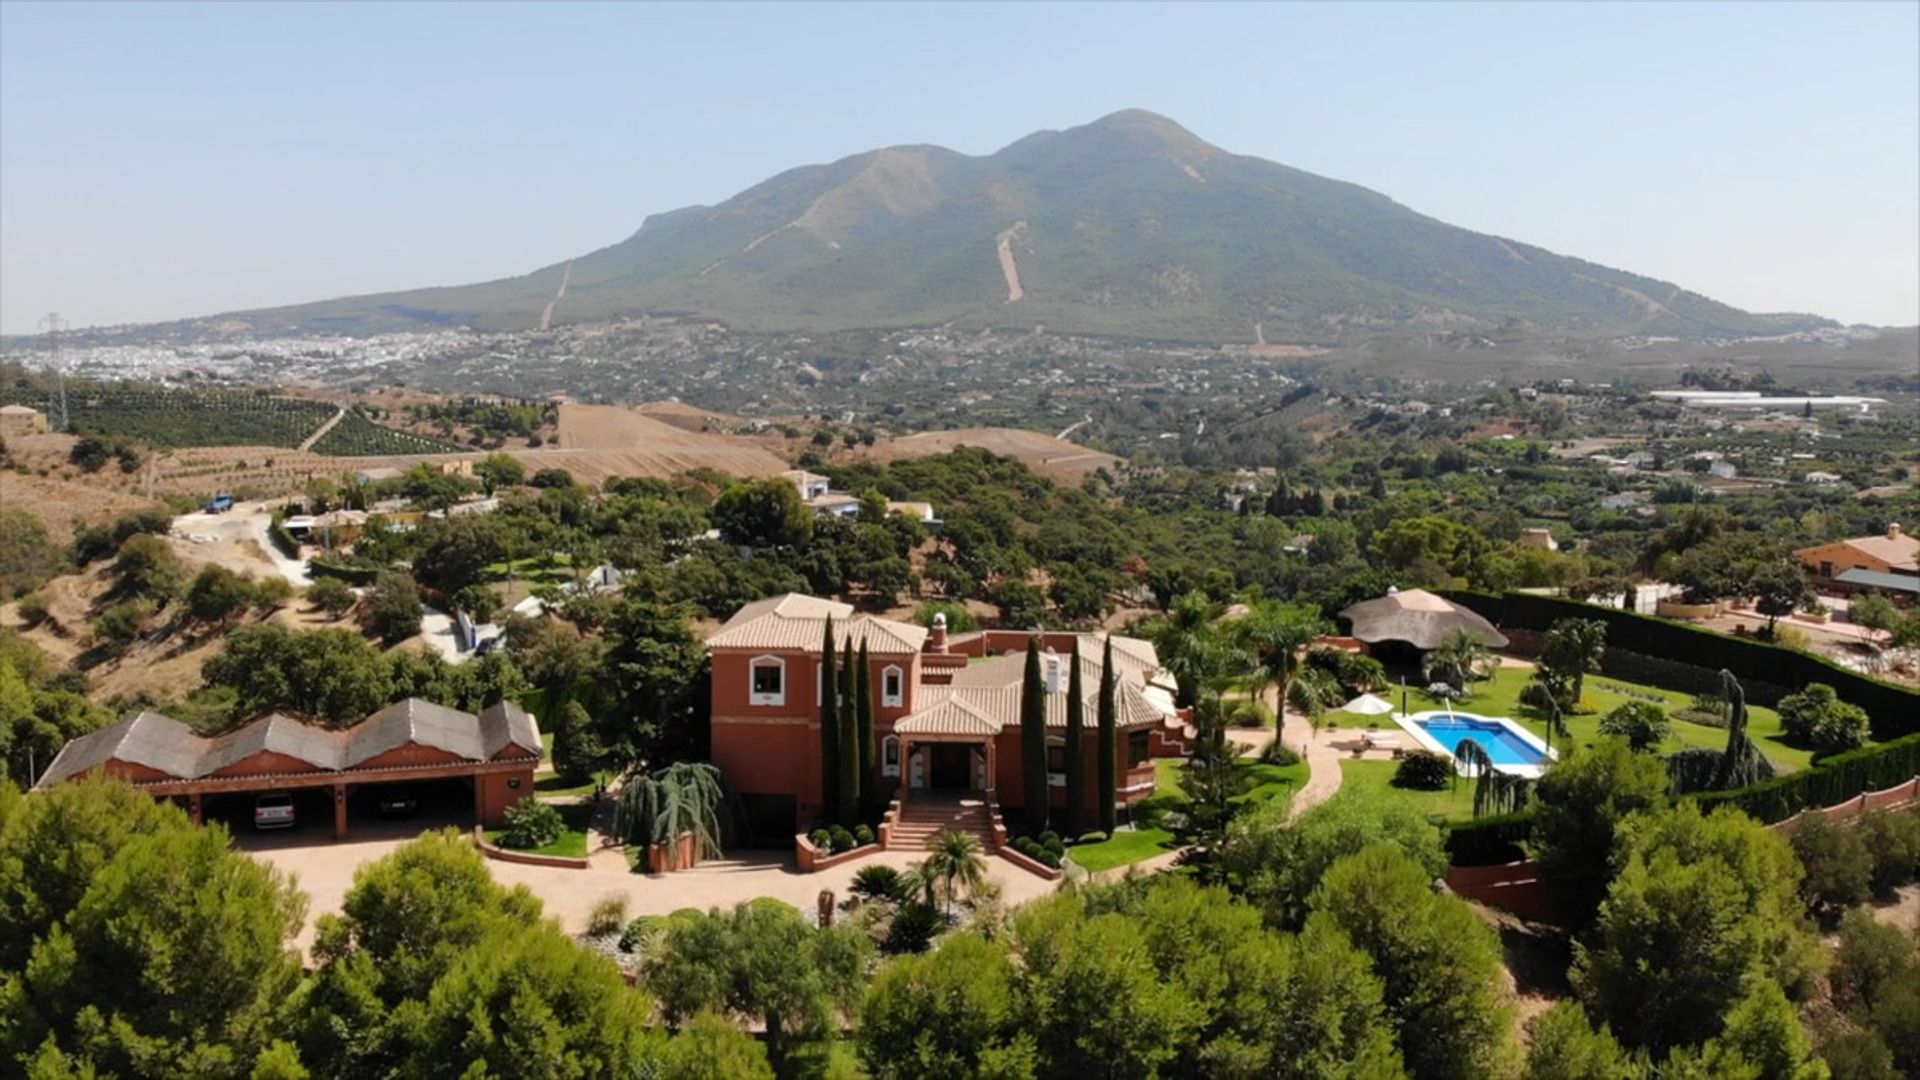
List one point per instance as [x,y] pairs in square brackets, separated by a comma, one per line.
[167,161]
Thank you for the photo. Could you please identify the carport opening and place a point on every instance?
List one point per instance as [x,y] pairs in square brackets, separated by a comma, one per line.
[410,806]
[312,812]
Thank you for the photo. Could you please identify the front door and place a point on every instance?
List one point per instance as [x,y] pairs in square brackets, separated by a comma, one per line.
[952,766]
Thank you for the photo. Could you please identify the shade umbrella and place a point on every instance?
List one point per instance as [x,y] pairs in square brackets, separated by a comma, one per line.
[1369,705]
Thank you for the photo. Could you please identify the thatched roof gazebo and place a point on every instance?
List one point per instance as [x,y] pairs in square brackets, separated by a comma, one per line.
[1417,618]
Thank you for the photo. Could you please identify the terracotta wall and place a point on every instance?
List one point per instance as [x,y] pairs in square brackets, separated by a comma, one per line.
[412,754]
[497,791]
[1012,787]
[770,759]
[732,683]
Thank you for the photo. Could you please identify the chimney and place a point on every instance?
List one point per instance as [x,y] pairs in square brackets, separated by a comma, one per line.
[937,640]
[1893,530]
[1055,673]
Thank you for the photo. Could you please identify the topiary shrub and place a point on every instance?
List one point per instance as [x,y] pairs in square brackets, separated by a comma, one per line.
[841,839]
[1048,838]
[862,835]
[1816,717]
[532,824]
[1052,846]
[1423,771]
[821,839]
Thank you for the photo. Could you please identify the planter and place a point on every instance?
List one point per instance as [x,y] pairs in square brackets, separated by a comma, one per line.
[681,854]
[1031,866]
[1673,609]
[525,858]
[810,859]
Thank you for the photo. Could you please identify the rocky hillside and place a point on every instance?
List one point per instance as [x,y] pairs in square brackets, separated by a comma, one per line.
[1127,226]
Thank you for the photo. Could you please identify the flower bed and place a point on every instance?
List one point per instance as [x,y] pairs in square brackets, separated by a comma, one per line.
[810,858]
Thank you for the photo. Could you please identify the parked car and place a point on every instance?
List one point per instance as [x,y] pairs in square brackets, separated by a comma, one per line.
[220,503]
[273,810]
[398,801]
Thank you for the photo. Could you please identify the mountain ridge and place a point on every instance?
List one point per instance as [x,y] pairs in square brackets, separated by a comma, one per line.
[1129,226]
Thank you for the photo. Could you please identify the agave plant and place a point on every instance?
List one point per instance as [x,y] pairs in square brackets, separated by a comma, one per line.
[681,798]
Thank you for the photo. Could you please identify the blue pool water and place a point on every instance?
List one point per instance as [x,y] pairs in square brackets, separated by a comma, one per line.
[1503,747]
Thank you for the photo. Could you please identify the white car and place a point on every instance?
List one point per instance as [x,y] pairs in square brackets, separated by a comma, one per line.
[273,811]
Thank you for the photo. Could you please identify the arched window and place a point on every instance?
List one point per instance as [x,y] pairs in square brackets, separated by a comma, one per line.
[769,685]
[893,686]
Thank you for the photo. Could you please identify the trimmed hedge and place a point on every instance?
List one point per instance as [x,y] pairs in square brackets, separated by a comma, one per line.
[1769,670]
[1831,780]
[284,540]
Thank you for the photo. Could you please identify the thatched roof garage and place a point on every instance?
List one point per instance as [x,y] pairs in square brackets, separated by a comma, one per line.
[1418,618]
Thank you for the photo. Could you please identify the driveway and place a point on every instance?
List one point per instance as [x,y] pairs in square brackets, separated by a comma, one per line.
[324,869]
[238,541]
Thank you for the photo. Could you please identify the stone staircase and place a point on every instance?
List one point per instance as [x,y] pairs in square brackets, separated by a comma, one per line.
[925,816]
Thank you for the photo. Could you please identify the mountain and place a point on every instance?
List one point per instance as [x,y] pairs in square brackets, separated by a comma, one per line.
[1128,226]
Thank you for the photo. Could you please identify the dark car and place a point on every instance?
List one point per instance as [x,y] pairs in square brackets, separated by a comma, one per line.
[398,802]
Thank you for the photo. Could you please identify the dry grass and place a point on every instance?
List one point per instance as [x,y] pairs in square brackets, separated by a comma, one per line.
[1043,454]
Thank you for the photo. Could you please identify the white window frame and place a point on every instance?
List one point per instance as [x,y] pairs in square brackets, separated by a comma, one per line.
[754,697]
[890,747]
[899,697]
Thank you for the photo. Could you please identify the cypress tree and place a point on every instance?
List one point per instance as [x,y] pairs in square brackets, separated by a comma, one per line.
[1076,761]
[863,702]
[1033,738]
[849,755]
[829,722]
[1109,748]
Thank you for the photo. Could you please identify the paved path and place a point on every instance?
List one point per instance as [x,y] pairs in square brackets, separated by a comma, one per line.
[1323,765]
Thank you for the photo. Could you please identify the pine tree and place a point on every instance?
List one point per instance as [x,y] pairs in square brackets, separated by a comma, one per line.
[1109,748]
[1033,739]
[829,721]
[1076,762]
[863,702]
[848,757]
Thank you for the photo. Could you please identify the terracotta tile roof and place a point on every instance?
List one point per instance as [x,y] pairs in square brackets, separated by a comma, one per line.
[168,746]
[991,705]
[796,623]
[1902,551]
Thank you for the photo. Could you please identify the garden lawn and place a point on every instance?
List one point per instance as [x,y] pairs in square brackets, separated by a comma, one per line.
[548,782]
[1500,696]
[1264,783]
[571,844]
[1372,782]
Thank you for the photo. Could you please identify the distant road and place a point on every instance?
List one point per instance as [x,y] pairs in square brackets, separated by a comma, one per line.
[321,431]
[1074,427]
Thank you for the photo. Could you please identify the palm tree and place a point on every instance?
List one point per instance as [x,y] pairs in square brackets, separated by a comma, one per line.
[1313,693]
[1187,642]
[1460,659]
[955,860]
[1572,648]
[1274,634]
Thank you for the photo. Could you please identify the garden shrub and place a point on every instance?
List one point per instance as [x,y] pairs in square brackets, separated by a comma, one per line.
[841,839]
[821,839]
[877,882]
[913,928]
[1040,853]
[1839,869]
[862,835]
[636,932]
[1642,723]
[1278,753]
[1422,770]
[532,824]
[1817,717]
[609,914]
[1892,838]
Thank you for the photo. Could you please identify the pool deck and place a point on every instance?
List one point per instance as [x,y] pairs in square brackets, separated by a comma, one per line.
[1410,724]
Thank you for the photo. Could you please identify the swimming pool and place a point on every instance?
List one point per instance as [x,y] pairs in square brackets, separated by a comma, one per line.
[1510,747]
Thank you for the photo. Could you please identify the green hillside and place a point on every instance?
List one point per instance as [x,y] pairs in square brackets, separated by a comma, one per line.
[1127,226]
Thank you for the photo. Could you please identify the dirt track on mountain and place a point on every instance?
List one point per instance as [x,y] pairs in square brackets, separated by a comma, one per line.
[1042,453]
